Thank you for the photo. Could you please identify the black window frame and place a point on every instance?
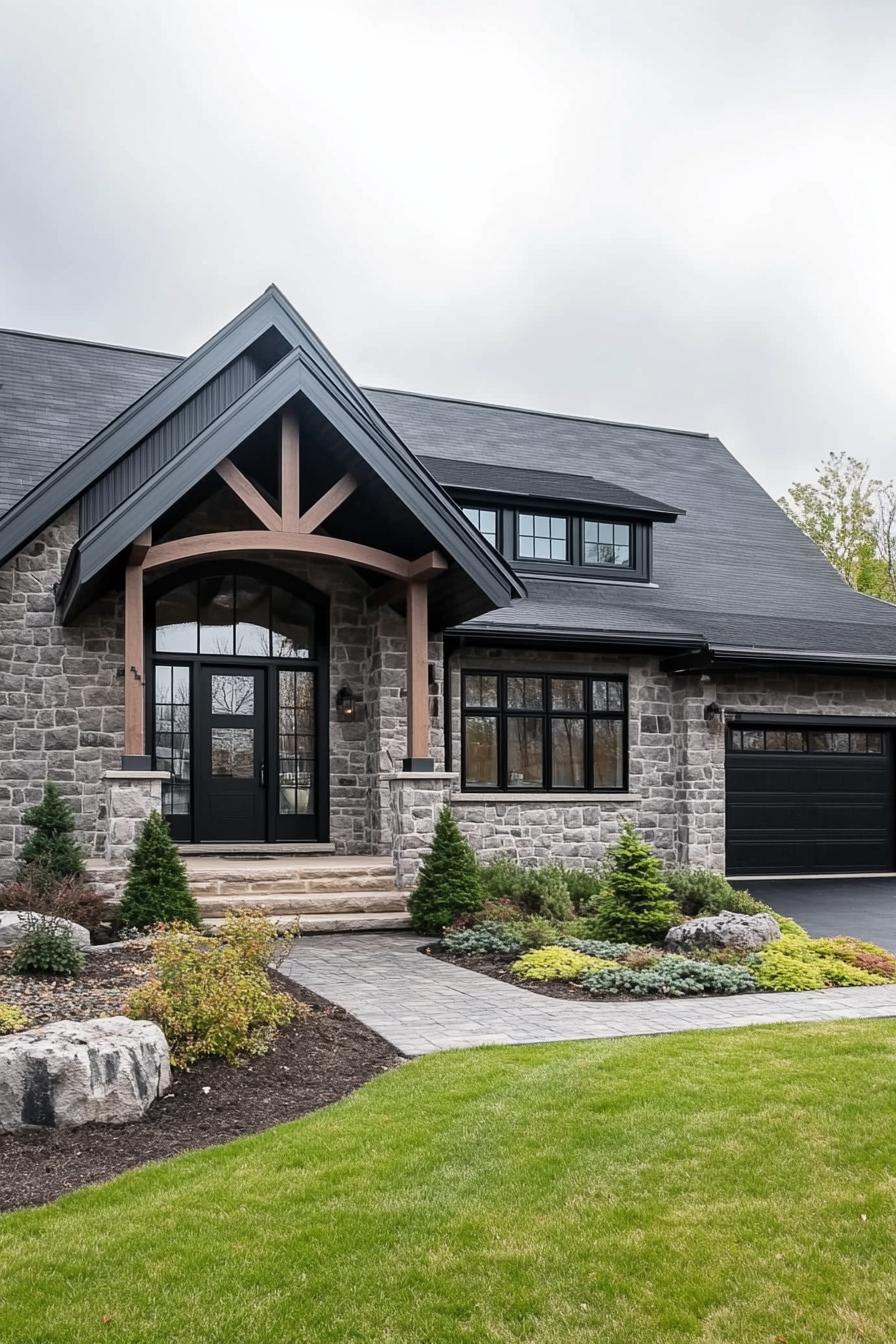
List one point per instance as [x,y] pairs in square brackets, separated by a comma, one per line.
[507,538]
[501,713]
[808,746]
[551,515]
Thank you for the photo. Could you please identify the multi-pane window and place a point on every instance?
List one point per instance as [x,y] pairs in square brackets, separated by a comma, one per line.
[818,741]
[561,732]
[171,719]
[235,615]
[541,536]
[486,521]
[606,543]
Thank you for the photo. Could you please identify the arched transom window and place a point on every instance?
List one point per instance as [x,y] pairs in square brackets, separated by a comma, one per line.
[234,614]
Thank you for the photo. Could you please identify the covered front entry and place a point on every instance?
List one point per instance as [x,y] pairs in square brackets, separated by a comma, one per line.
[809,799]
[238,715]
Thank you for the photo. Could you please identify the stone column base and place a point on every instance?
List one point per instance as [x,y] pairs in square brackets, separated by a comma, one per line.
[416,800]
[130,797]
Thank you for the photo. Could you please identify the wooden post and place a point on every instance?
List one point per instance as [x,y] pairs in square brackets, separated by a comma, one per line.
[289,470]
[134,711]
[417,625]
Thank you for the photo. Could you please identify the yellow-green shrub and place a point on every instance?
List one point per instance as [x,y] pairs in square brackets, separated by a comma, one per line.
[557,963]
[864,956]
[211,996]
[795,961]
[11,1019]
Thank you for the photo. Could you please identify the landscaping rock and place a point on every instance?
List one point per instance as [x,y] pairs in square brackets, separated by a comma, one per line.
[106,1071]
[744,933]
[15,923]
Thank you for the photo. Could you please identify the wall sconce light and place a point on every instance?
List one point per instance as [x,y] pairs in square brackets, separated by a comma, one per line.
[346,706]
[714,715]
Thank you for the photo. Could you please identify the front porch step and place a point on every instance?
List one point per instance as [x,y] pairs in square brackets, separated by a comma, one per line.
[305,903]
[337,923]
[233,879]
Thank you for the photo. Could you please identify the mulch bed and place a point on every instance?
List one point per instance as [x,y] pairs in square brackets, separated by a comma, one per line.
[498,967]
[313,1061]
[99,991]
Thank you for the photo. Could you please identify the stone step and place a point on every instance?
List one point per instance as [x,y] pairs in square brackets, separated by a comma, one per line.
[344,923]
[307,903]
[262,881]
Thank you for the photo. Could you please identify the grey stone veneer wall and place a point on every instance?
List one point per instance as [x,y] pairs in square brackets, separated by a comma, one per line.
[676,760]
[62,700]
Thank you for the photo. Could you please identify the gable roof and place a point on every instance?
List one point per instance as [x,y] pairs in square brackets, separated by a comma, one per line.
[733,573]
[308,368]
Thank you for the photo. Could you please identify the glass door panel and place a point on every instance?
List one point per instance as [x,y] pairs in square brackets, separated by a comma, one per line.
[296,796]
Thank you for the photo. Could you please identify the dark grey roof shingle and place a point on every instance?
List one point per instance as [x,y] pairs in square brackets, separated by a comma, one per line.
[55,395]
[733,570]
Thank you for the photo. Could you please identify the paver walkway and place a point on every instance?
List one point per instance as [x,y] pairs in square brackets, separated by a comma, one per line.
[421,1004]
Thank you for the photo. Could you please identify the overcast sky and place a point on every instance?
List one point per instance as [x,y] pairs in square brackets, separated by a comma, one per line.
[675,213]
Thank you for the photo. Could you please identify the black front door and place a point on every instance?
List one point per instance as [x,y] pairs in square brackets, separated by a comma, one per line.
[231,793]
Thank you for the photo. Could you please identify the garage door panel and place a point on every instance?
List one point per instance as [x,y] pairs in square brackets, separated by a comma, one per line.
[789,812]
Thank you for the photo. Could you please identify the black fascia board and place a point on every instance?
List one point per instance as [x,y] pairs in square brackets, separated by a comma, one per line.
[585,508]
[435,510]
[64,485]
[710,659]
[824,721]
[541,635]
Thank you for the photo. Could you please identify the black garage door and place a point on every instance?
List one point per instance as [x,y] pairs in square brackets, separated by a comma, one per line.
[807,800]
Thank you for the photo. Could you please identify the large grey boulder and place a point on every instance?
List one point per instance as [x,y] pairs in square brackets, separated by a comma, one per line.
[108,1070]
[14,924]
[744,933]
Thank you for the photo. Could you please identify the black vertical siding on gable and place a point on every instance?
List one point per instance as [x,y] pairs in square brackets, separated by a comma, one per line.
[170,437]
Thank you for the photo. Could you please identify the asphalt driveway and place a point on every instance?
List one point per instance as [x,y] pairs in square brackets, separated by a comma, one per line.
[864,907]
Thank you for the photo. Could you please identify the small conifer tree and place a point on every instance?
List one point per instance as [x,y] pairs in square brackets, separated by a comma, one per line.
[449,883]
[634,903]
[157,891]
[51,850]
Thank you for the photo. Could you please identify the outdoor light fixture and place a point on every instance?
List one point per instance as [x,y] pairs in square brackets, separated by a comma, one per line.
[714,714]
[346,709]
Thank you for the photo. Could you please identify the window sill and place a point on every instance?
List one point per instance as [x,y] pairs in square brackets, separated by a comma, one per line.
[522,796]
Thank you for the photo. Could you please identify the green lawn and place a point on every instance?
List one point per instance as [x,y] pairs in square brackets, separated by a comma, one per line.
[727,1187]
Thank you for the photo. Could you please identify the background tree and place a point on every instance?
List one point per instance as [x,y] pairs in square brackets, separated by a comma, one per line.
[851,517]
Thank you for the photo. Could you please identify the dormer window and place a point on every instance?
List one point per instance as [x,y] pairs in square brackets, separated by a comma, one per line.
[485,521]
[607,543]
[540,536]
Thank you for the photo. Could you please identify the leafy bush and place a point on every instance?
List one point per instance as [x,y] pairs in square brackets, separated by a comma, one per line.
[536,931]
[599,947]
[556,963]
[449,883]
[672,977]
[864,956]
[47,946]
[64,898]
[587,927]
[52,846]
[11,1019]
[699,891]
[157,891]
[582,885]
[254,938]
[633,904]
[210,996]
[482,940]
[535,891]
[640,958]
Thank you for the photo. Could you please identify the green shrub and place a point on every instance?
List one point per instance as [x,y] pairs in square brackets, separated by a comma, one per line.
[641,958]
[556,963]
[672,977]
[210,996]
[63,898]
[634,904]
[535,931]
[535,891]
[11,1019]
[583,926]
[482,940]
[582,885]
[47,947]
[864,956]
[699,891]
[787,963]
[52,847]
[502,880]
[156,891]
[449,883]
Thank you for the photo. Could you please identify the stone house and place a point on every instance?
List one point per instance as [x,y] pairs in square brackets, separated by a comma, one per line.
[297,616]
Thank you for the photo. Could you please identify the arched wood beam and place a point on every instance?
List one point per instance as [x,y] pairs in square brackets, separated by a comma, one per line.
[213,544]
